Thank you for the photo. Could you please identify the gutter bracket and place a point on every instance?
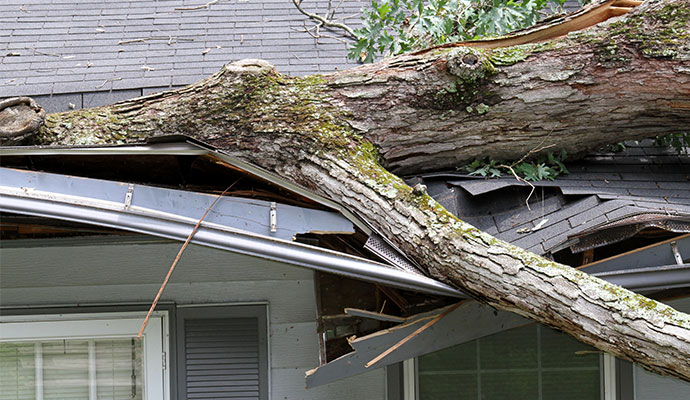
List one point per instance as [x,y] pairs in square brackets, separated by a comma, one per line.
[676,253]
[273,215]
[128,196]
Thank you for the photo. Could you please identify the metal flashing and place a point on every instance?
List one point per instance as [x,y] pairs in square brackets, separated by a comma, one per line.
[270,177]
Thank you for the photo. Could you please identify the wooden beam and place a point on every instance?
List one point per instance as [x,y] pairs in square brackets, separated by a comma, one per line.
[373,315]
[648,256]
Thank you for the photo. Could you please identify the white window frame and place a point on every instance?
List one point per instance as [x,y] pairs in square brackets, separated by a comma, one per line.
[102,326]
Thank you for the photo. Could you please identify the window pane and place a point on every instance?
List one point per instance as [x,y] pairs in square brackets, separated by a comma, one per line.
[531,362]
[514,348]
[513,385]
[17,371]
[571,385]
[560,350]
[69,366]
[462,357]
[65,370]
[118,369]
[441,386]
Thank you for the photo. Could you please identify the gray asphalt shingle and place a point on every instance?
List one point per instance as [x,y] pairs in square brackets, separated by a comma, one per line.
[82,40]
[601,189]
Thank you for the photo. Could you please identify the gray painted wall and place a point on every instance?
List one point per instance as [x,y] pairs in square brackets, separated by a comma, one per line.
[650,386]
[75,271]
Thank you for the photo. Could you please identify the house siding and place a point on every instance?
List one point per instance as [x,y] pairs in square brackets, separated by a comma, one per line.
[66,272]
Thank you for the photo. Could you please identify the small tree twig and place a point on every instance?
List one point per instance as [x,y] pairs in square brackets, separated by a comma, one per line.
[170,39]
[207,5]
[177,258]
[325,21]
[535,149]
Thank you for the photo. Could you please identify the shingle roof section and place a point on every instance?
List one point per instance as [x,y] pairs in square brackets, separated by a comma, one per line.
[67,46]
[602,188]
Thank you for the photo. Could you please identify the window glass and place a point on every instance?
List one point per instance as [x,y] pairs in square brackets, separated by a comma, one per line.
[91,356]
[71,369]
[530,362]
[651,386]
[17,369]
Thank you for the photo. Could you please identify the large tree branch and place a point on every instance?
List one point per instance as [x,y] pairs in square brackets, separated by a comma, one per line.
[625,80]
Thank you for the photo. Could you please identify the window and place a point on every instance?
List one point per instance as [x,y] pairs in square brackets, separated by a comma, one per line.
[530,362]
[222,352]
[82,356]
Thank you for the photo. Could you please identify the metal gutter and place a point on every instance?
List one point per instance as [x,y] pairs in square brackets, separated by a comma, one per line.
[177,148]
[187,147]
[271,219]
[650,278]
[150,222]
[183,145]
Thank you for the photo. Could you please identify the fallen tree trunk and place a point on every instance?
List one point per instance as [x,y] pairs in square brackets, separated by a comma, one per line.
[335,134]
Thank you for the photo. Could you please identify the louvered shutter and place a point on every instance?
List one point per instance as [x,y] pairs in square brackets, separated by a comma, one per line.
[222,356]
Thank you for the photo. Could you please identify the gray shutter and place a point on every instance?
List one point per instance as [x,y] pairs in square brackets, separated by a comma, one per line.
[222,357]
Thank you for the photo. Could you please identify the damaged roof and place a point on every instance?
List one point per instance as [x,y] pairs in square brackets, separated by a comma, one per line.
[641,186]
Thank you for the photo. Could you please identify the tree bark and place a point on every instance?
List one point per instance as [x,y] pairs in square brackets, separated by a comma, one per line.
[337,134]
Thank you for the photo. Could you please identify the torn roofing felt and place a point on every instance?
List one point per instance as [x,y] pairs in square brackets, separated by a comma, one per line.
[617,192]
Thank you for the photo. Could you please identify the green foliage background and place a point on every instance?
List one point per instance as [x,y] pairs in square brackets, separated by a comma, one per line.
[396,26]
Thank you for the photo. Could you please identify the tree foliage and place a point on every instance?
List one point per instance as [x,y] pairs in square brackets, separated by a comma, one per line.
[548,166]
[396,26]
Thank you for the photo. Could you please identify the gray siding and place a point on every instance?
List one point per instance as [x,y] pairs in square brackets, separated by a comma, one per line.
[69,272]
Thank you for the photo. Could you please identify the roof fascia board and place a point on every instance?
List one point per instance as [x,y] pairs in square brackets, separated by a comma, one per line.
[190,147]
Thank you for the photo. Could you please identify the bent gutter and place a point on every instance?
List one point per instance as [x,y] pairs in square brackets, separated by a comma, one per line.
[649,278]
[171,226]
